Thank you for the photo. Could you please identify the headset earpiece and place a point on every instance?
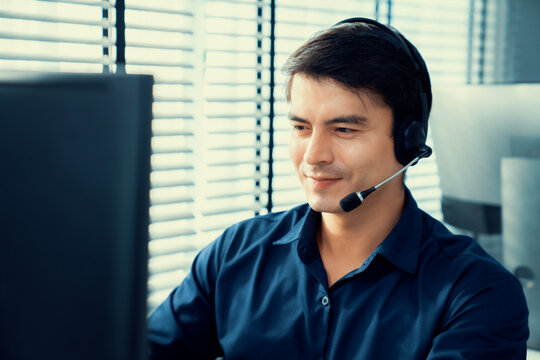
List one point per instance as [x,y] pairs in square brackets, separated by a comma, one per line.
[415,138]
[409,138]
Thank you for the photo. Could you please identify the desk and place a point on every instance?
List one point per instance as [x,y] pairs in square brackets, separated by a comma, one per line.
[533,354]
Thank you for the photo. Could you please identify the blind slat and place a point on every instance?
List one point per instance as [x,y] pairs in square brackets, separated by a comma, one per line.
[52,19]
[55,39]
[57,59]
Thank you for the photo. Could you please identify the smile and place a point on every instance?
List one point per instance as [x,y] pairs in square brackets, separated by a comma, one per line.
[320,183]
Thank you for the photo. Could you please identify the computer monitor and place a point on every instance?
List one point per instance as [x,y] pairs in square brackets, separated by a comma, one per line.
[74,196]
[473,127]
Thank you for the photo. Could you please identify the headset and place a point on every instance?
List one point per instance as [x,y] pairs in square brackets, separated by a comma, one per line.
[411,132]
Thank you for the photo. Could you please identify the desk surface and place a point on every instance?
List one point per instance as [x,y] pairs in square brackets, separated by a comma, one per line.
[533,355]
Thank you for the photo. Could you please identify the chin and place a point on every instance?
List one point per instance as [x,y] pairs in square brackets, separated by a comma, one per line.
[325,205]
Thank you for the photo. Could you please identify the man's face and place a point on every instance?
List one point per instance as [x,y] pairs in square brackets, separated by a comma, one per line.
[341,141]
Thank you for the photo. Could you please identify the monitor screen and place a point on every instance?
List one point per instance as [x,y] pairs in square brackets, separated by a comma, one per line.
[75,159]
[473,127]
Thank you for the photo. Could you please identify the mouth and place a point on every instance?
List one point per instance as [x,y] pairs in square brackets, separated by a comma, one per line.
[321,183]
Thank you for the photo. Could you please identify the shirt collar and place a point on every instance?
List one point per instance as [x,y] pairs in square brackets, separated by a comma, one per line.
[401,247]
[305,228]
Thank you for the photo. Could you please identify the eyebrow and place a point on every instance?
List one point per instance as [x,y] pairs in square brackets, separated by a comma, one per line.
[346,119]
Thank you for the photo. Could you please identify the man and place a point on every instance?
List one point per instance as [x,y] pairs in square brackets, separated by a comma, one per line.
[381,281]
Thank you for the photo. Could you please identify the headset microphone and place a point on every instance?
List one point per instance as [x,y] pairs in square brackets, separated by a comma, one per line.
[355,199]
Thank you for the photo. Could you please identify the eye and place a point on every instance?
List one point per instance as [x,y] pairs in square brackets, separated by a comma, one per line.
[344,130]
[299,127]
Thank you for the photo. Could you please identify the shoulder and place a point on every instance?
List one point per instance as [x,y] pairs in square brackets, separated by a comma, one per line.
[268,226]
[248,238]
[461,264]
[478,298]
[456,251]
[262,230]
[285,219]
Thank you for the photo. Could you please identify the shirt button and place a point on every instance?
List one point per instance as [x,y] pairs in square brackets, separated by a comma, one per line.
[325,300]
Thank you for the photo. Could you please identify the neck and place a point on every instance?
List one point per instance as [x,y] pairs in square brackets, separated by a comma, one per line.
[360,231]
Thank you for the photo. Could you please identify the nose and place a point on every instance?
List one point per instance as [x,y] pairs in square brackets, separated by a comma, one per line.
[318,150]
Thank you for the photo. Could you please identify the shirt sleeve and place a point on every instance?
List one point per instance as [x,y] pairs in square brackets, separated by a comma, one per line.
[184,325]
[486,320]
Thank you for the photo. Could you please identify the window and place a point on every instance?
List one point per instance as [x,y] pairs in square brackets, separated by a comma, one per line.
[70,36]
[220,129]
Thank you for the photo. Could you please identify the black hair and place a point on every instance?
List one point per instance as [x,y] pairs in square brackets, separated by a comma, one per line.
[362,57]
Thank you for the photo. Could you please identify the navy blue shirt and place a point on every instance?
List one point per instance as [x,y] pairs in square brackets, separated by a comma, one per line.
[260,292]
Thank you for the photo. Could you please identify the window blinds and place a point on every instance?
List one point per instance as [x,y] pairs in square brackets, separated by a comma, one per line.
[160,40]
[220,142]
[55,35]
[210,142]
